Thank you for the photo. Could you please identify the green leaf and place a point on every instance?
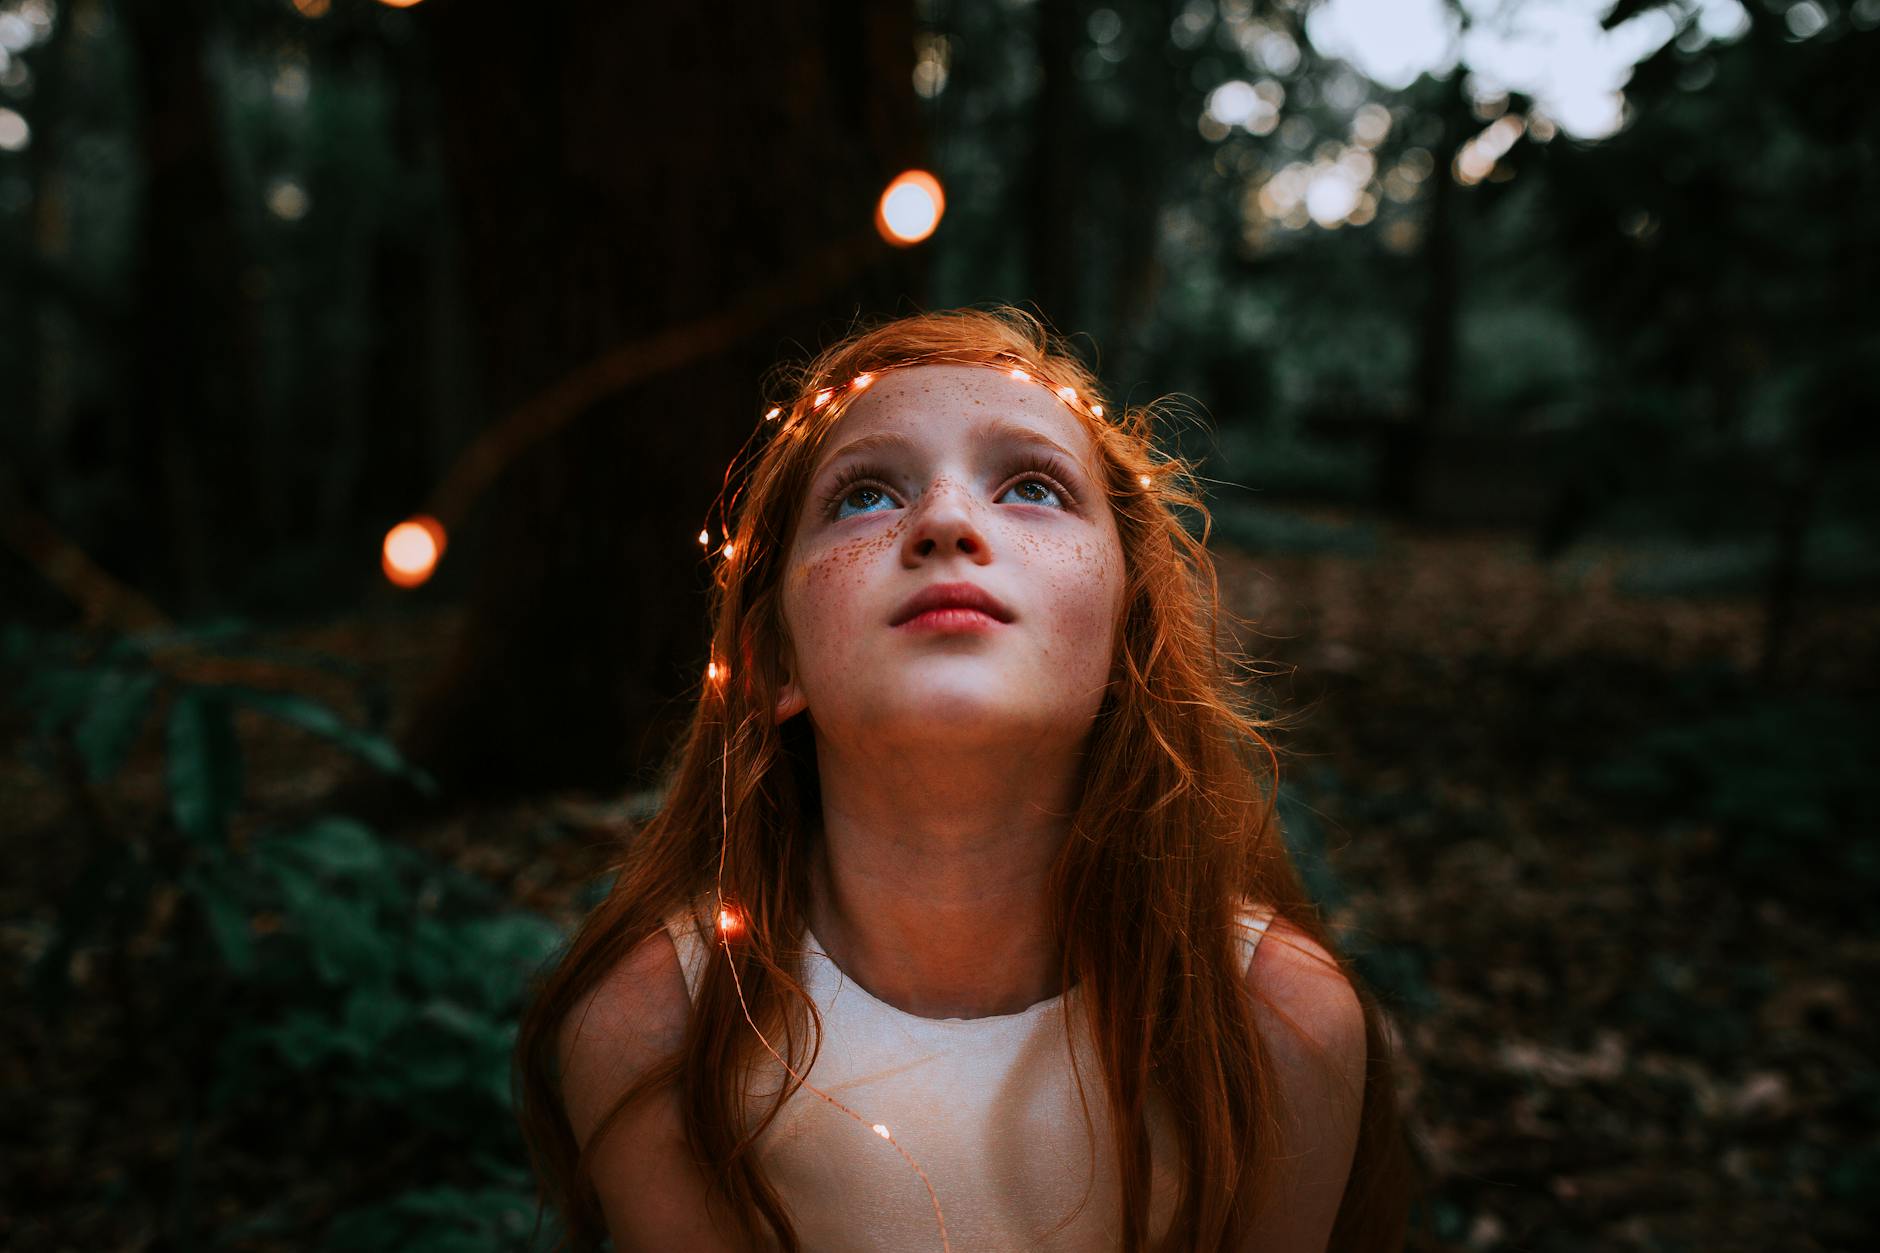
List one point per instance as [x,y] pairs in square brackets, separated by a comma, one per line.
[436,1071]
[311,715]
[374,1012]
[437,1220]
[306,1039]
[119,704]
[57,695]
[338,846]
[227,917]
[205,765]
[501,953]
[455,1019]
[430,954]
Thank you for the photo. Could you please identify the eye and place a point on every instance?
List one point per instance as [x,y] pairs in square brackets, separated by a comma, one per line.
[1042,470]
[849,485]
[1040,483]
[863,497]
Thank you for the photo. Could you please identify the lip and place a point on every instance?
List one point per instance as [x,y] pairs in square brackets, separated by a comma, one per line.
[951,596]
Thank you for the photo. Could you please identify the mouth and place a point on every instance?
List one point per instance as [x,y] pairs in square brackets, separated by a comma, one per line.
[958,604]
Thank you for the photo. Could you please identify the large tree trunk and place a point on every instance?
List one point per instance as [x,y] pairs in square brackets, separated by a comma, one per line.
[1406,445]
[195,395]
[1052,185]
[621,170]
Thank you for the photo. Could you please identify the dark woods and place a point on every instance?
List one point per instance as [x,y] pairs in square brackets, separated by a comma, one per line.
[1541,460]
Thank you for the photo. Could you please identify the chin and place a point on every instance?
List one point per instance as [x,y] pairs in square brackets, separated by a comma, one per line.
[927,712]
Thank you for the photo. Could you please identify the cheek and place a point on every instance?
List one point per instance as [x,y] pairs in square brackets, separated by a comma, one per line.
[1083,581]
[827,586]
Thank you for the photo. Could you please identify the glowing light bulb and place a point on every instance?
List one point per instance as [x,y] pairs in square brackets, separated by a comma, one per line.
[1020,375]
[1143,479]
[881,1131]
[714,671]
[861,381]
[822,398]
[730,549]
[729,923]
[910,209]
[771,416]
[705,538]
[411,550]
[1097,410]
[1067,393]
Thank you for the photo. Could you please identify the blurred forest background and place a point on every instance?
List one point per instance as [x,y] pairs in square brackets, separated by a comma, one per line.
[1531,347]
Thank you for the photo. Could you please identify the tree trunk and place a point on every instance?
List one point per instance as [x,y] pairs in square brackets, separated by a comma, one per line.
[1052,187]
[1406,444]
[620,170]
[194,392]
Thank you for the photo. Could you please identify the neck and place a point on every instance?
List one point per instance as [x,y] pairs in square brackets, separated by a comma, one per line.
[936,904]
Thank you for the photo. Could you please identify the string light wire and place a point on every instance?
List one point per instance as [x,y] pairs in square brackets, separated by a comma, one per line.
[724,942]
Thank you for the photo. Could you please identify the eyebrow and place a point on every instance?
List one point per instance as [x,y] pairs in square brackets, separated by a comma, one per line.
[990,432]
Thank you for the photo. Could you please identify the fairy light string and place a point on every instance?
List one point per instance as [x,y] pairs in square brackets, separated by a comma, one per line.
[839,395]
[729,921]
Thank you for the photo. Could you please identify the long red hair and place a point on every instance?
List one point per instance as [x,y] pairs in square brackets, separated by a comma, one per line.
[1176,824]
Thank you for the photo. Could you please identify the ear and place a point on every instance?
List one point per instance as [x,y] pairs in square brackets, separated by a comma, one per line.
[790,698]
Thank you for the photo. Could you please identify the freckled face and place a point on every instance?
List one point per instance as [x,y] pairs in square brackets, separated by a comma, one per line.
[953,485]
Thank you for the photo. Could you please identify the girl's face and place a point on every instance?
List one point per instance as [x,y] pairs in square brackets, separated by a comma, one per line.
[950,474]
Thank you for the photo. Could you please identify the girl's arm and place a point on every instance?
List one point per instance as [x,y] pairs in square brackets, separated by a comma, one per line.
[1298,992]
[654,1196]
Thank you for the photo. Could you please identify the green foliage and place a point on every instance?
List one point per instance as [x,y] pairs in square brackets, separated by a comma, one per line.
[1305,844]
[438,1220]
[205,765]
[1266,529]
[1287,466]
[1781,779]
[1397,973]
[390,977]
[357,972]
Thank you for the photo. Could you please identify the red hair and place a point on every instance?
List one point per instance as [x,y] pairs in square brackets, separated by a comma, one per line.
[1175,825]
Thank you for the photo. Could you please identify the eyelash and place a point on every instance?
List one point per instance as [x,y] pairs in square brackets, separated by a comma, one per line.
[1041,466]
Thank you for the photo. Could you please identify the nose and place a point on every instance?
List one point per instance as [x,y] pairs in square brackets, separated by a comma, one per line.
[945,521]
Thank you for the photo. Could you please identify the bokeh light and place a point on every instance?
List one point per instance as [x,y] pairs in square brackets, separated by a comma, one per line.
[412,549]
[911,208]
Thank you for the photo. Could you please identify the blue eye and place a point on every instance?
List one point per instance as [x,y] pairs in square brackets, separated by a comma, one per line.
[846,496]
[1037,487]
[1050,492]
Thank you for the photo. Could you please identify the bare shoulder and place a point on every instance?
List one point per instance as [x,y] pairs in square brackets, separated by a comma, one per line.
[652,1191]
[1298,985]
[1312,1025]
[634,1015]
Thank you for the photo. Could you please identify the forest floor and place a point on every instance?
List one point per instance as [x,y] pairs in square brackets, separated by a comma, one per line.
[1612,889]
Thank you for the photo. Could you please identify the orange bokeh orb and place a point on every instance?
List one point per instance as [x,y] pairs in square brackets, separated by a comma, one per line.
[910,209]
[411,550]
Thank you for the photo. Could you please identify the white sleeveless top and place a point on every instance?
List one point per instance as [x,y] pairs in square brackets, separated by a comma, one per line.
[987,1106]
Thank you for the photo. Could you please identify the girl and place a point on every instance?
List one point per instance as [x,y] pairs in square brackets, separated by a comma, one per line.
[949,932]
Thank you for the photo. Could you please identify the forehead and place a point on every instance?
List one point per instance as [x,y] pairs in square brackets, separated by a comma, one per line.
[940,406]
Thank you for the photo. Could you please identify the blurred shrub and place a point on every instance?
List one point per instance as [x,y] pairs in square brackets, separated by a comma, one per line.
[1781,779]
[1292,466]
[1838,557]
[1254,528]
[362,984]
[1397,973]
